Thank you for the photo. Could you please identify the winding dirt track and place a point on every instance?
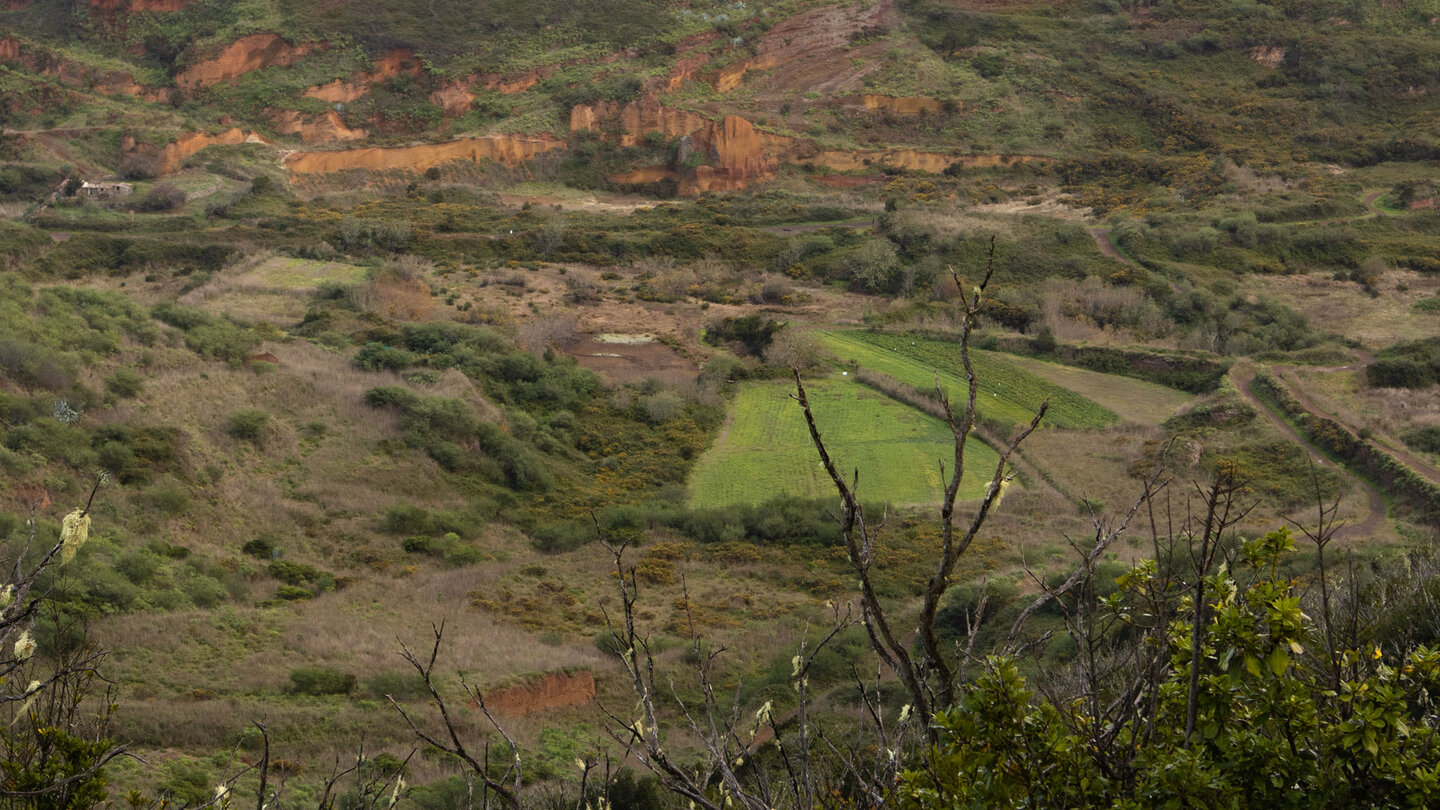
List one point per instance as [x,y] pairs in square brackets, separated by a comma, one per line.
[1374,518]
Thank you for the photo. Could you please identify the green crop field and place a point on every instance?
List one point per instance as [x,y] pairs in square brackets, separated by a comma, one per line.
[766,451]
[1007,392]
[1137,401]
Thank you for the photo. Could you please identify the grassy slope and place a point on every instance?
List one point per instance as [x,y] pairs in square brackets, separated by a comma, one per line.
[767,450]
[1135,401]
[1007,392]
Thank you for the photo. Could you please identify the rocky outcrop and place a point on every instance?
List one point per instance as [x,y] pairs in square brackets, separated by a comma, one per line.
[174,154]
[636,119]
[1271,56]
[649,174]
[510,150]
[897,105]
[813,35]
[736,155]
[327,127]
[399,62]
[453,99]
[913,160]
[254,52]
[75,74]
[552,690]
[512,83]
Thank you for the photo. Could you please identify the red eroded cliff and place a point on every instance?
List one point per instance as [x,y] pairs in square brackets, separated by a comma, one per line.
[399,62]
[174,154]
[801,49]
[900,105]
[550,691]
[253,52]
[508,149]
[76,74]
[637,119]
[737,158]
[327,127]
[453,99]
[914,160]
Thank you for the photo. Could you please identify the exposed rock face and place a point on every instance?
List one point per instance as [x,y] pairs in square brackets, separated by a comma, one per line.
[254,52]
[636,119]
[649,174]
[175,153]
[327,127]
[453,98]
[399,62]
[900,105]
[1271,56]
[512,84]
[508,149]
[550,691]
[737,158]
[914,160]
[75,74]
[809,36]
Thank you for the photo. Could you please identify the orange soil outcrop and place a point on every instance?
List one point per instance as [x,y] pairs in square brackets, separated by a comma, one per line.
[389,65]
[810,35]
[327,127]
[250,53]
[649,174]
[737,155]
[453,99]
[508,149]
[914,160]
[1271,56]
[175,153]
[638,118]
[901,105]
[75,74]
[550,691]
[512,84]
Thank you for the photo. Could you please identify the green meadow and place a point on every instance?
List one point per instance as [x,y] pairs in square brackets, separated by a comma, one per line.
[1007,392]
[766,449]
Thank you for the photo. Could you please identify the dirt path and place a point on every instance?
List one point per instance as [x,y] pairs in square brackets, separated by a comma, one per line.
[1390,445]
[1374,519]
[1106,246]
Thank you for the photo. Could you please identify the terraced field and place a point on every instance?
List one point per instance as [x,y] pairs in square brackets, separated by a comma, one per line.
[1007,392]
[766,450]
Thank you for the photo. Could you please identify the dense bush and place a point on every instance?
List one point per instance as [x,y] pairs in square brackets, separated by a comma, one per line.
[248,424]
[1407,365]
[321,681]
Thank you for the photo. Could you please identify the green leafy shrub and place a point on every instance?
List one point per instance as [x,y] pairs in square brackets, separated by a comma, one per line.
[125,383]
[321,681]
[248,424]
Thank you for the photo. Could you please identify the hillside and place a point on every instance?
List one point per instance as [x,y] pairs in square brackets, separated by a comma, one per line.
[366,318]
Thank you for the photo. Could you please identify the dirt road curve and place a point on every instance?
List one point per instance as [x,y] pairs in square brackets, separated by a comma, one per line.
[1375,513]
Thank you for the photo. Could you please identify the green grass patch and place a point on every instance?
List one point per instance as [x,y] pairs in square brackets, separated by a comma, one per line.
[767,452]
[288,272]
[1007,392]
[1137,401]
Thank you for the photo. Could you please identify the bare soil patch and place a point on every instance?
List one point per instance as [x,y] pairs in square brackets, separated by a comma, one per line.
[550,691]
[621,362]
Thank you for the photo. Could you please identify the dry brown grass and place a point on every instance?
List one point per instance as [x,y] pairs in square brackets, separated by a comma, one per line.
[1343,308]
[1135,401]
